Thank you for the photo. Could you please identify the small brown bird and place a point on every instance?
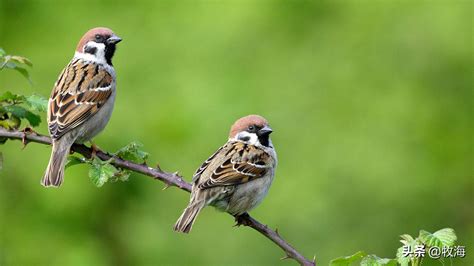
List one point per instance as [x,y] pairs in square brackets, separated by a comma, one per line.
[82,99]
[237,176]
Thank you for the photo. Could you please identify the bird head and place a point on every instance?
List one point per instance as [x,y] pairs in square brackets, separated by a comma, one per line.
[99,44]
[251,129]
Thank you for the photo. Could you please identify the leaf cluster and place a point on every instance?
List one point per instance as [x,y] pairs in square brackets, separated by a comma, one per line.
[15,62]
[14,108]
[442,238]
[101,172]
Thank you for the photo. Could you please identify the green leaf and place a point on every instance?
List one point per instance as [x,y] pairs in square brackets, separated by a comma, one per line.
[21,60]
[7,64]
[401,259]
[73,160]
[2,52]
[23,72]
[372,260]
[21,112]
[132,152]
[440,238]
[37,103]
[101,172]
[407,240]
[8,121]
[121,175]
[345,261]
[10,97]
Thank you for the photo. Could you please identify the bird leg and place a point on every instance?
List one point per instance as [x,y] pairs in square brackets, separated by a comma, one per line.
[242,219]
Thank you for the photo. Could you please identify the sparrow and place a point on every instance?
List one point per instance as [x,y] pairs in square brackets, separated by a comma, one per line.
[237,176]
[82,99]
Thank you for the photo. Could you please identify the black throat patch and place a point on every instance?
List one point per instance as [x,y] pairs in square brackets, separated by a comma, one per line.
[109,53]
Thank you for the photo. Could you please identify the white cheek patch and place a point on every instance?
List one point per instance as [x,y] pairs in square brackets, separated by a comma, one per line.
[98,57]
[250,138]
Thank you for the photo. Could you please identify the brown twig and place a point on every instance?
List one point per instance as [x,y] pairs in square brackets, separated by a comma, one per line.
[170,179]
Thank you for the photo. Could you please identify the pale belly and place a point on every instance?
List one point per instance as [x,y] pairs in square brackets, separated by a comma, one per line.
[96,123]
[243,198]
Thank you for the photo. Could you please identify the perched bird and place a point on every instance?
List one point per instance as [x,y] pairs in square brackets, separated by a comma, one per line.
[82,99]
[237,176]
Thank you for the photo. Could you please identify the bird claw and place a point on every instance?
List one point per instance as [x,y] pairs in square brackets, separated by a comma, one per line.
[242,220]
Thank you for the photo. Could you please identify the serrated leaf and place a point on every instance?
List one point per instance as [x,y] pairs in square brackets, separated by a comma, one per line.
[73,160]
[373,260]
[37,102]
[22,113]
[440,238]
[407,240]
[401,259]
[132,152]
[101,172]
[346,261]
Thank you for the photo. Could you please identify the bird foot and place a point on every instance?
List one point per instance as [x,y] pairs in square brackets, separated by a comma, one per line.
[242,219]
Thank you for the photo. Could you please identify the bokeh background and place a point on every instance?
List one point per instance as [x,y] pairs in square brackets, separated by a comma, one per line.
[371,103]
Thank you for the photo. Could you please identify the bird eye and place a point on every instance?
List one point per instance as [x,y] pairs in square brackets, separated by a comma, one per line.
[98,37]
[251,128]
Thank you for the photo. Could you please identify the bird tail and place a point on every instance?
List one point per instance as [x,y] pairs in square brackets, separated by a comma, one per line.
[54,174]
[186,220]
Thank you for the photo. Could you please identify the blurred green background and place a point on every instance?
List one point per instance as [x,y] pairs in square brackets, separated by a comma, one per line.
[371,104]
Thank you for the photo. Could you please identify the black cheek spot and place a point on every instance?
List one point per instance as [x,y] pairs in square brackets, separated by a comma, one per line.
[90,50]
[246,138]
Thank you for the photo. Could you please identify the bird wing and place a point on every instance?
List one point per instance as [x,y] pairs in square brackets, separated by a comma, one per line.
[80,92]
[237,163]
[205,164]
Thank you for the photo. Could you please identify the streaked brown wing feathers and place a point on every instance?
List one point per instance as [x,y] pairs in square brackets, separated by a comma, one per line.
[242,164]
[81,90]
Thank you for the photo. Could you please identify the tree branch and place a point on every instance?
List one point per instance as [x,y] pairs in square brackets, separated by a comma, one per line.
[170,179]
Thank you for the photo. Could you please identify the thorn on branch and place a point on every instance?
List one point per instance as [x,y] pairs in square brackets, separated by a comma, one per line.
[26,131]
[276,231]
[286,257]
[158,167]
[167,185]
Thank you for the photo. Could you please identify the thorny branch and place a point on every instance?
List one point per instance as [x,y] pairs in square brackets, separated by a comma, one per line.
[170,179]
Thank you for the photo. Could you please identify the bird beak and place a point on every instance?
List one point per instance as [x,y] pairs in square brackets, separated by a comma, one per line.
[114,39]
[265,131]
